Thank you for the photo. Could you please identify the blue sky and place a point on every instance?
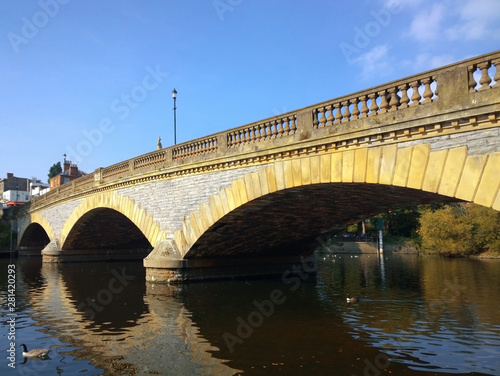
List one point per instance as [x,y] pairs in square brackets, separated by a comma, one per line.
[93,79]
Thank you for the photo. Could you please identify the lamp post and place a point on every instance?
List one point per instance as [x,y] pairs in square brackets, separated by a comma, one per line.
[174,95]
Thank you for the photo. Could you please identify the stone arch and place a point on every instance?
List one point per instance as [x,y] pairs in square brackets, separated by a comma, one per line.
[39,219]
[450,172]
[124,205]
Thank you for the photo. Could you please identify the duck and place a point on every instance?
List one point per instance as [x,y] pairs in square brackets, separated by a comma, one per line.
[35,353]
[351,299]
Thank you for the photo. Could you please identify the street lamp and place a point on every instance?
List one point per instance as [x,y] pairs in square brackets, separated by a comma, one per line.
[174,95]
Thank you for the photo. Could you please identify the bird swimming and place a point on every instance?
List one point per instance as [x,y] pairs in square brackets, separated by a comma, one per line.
[35,353]
[351,299]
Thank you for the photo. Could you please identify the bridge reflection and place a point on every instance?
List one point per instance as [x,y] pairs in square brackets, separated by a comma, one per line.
[110,317]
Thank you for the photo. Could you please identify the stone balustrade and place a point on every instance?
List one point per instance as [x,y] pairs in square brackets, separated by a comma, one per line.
[150,160]
[197,147]
[448,88]
[486,80]
[388,98]
[280,126]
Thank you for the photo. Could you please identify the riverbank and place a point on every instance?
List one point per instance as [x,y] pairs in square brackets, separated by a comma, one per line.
[351,247]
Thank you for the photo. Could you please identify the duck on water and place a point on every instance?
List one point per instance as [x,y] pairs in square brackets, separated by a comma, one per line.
[35,353]
[351,299]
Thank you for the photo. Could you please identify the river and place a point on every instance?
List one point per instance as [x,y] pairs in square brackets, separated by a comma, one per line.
[416,316]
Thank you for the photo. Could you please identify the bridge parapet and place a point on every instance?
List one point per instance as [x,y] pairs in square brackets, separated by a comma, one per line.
[431,102]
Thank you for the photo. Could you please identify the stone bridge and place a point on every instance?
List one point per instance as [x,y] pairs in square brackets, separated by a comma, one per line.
[243,201]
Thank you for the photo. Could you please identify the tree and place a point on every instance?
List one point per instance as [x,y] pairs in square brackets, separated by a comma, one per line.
[55,170]
[460,229]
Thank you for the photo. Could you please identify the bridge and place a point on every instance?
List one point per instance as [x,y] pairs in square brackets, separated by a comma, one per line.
[254,198]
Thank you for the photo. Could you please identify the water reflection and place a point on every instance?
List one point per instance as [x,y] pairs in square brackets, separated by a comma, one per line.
[417,316]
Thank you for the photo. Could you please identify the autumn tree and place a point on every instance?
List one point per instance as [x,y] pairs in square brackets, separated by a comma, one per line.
[460,229]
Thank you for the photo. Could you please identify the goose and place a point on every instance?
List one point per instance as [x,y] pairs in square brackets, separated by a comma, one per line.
[35,353]
[351,299]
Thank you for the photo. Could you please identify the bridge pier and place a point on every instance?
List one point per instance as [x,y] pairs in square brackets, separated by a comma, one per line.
[166,265]
[289,269]
[52,253]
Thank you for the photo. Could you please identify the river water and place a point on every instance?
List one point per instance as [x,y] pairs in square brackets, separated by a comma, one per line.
[416,316]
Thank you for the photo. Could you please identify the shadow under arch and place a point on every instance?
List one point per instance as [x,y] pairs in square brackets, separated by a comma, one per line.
[105,229]
[294,200]
[113,206]
[34,235]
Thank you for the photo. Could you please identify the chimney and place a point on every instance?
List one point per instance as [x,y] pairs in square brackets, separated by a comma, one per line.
[67,164]
[10,175]
[73,170]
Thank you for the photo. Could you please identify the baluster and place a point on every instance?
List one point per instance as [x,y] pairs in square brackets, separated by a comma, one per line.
[373,104]
[355,109]
[279,128]
[262,132]
[496,63]
[485,77]
[330,118]
[251,132]
[322,120]
[404,96]
[315,121]
[384,105]
[416,95]
[338,113]
[293,125]
[263,129]
[394,102]
[427,91]
[258,135]
[257,132]
[347,113]
[472,81]
[286,128]
[273,127]
[268,130]
[242,136]
[364,107]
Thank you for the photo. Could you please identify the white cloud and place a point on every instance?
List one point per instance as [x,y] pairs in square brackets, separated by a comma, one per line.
[476,19]
[452,20]
[426,61]
[374,62]
[427,23]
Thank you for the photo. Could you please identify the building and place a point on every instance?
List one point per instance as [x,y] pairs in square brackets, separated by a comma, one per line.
[70,172]
[14,191]
[37,188]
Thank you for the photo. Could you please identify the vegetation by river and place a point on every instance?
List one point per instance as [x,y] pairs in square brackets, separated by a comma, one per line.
[461,229]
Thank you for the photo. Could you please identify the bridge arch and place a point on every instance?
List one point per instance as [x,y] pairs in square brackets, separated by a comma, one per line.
[35,233]
[414,172]
[112,203]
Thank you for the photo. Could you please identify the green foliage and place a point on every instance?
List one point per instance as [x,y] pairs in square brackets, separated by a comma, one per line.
[402,222]
[55,170]
[4,234]
[460,229]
